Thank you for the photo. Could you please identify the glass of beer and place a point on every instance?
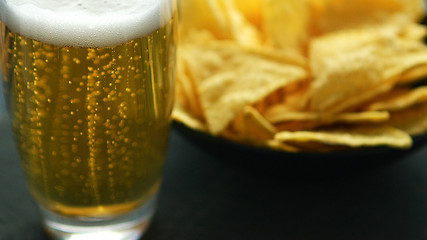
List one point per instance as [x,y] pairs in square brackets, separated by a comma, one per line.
[89,88]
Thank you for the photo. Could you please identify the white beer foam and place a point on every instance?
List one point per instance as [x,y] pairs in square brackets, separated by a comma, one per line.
[85,23]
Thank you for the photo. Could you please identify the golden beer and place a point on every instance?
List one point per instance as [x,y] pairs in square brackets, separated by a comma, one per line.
[91,123]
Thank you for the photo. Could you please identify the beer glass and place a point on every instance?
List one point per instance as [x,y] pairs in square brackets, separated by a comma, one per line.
[89,88]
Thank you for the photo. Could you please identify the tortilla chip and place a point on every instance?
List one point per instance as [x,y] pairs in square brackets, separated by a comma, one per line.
[416,9]
[251,10]
[351,137]
[415,32]
[182,116]
[280,113]
[286,120]
[230,78]
[387,37]
[280,55]
[336,15]
[408,64]
[412,120]
[363,63]
[413,75]
[241,29]
[293,97]
[286,23]
[277,145]
[204,15]
[398,99]
[294,126]
[252,126]
[219,17]
[186,90]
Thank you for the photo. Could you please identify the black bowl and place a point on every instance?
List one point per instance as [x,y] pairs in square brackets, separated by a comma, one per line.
[301,164]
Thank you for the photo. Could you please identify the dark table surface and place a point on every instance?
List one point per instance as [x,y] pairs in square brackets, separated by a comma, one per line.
[208,196]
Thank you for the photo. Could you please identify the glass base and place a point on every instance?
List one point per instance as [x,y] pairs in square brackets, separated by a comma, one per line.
[127,227]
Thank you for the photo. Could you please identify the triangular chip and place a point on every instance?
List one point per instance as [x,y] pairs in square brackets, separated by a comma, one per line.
[280,113]
[241,29]
[415,9]
[398,99]
[362,64]
[413,75]
[286,23]
[186,90]
[230,78]
[280,146]
[414,32]
[293,97]
[412,120]
[220,17]
[184,117]
[351,137]
[252,126]
[409,66]
[286,120]
[335,15]
[251,10]
[207,15]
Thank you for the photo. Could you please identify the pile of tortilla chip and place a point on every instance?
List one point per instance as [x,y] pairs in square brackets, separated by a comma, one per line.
[303,75]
